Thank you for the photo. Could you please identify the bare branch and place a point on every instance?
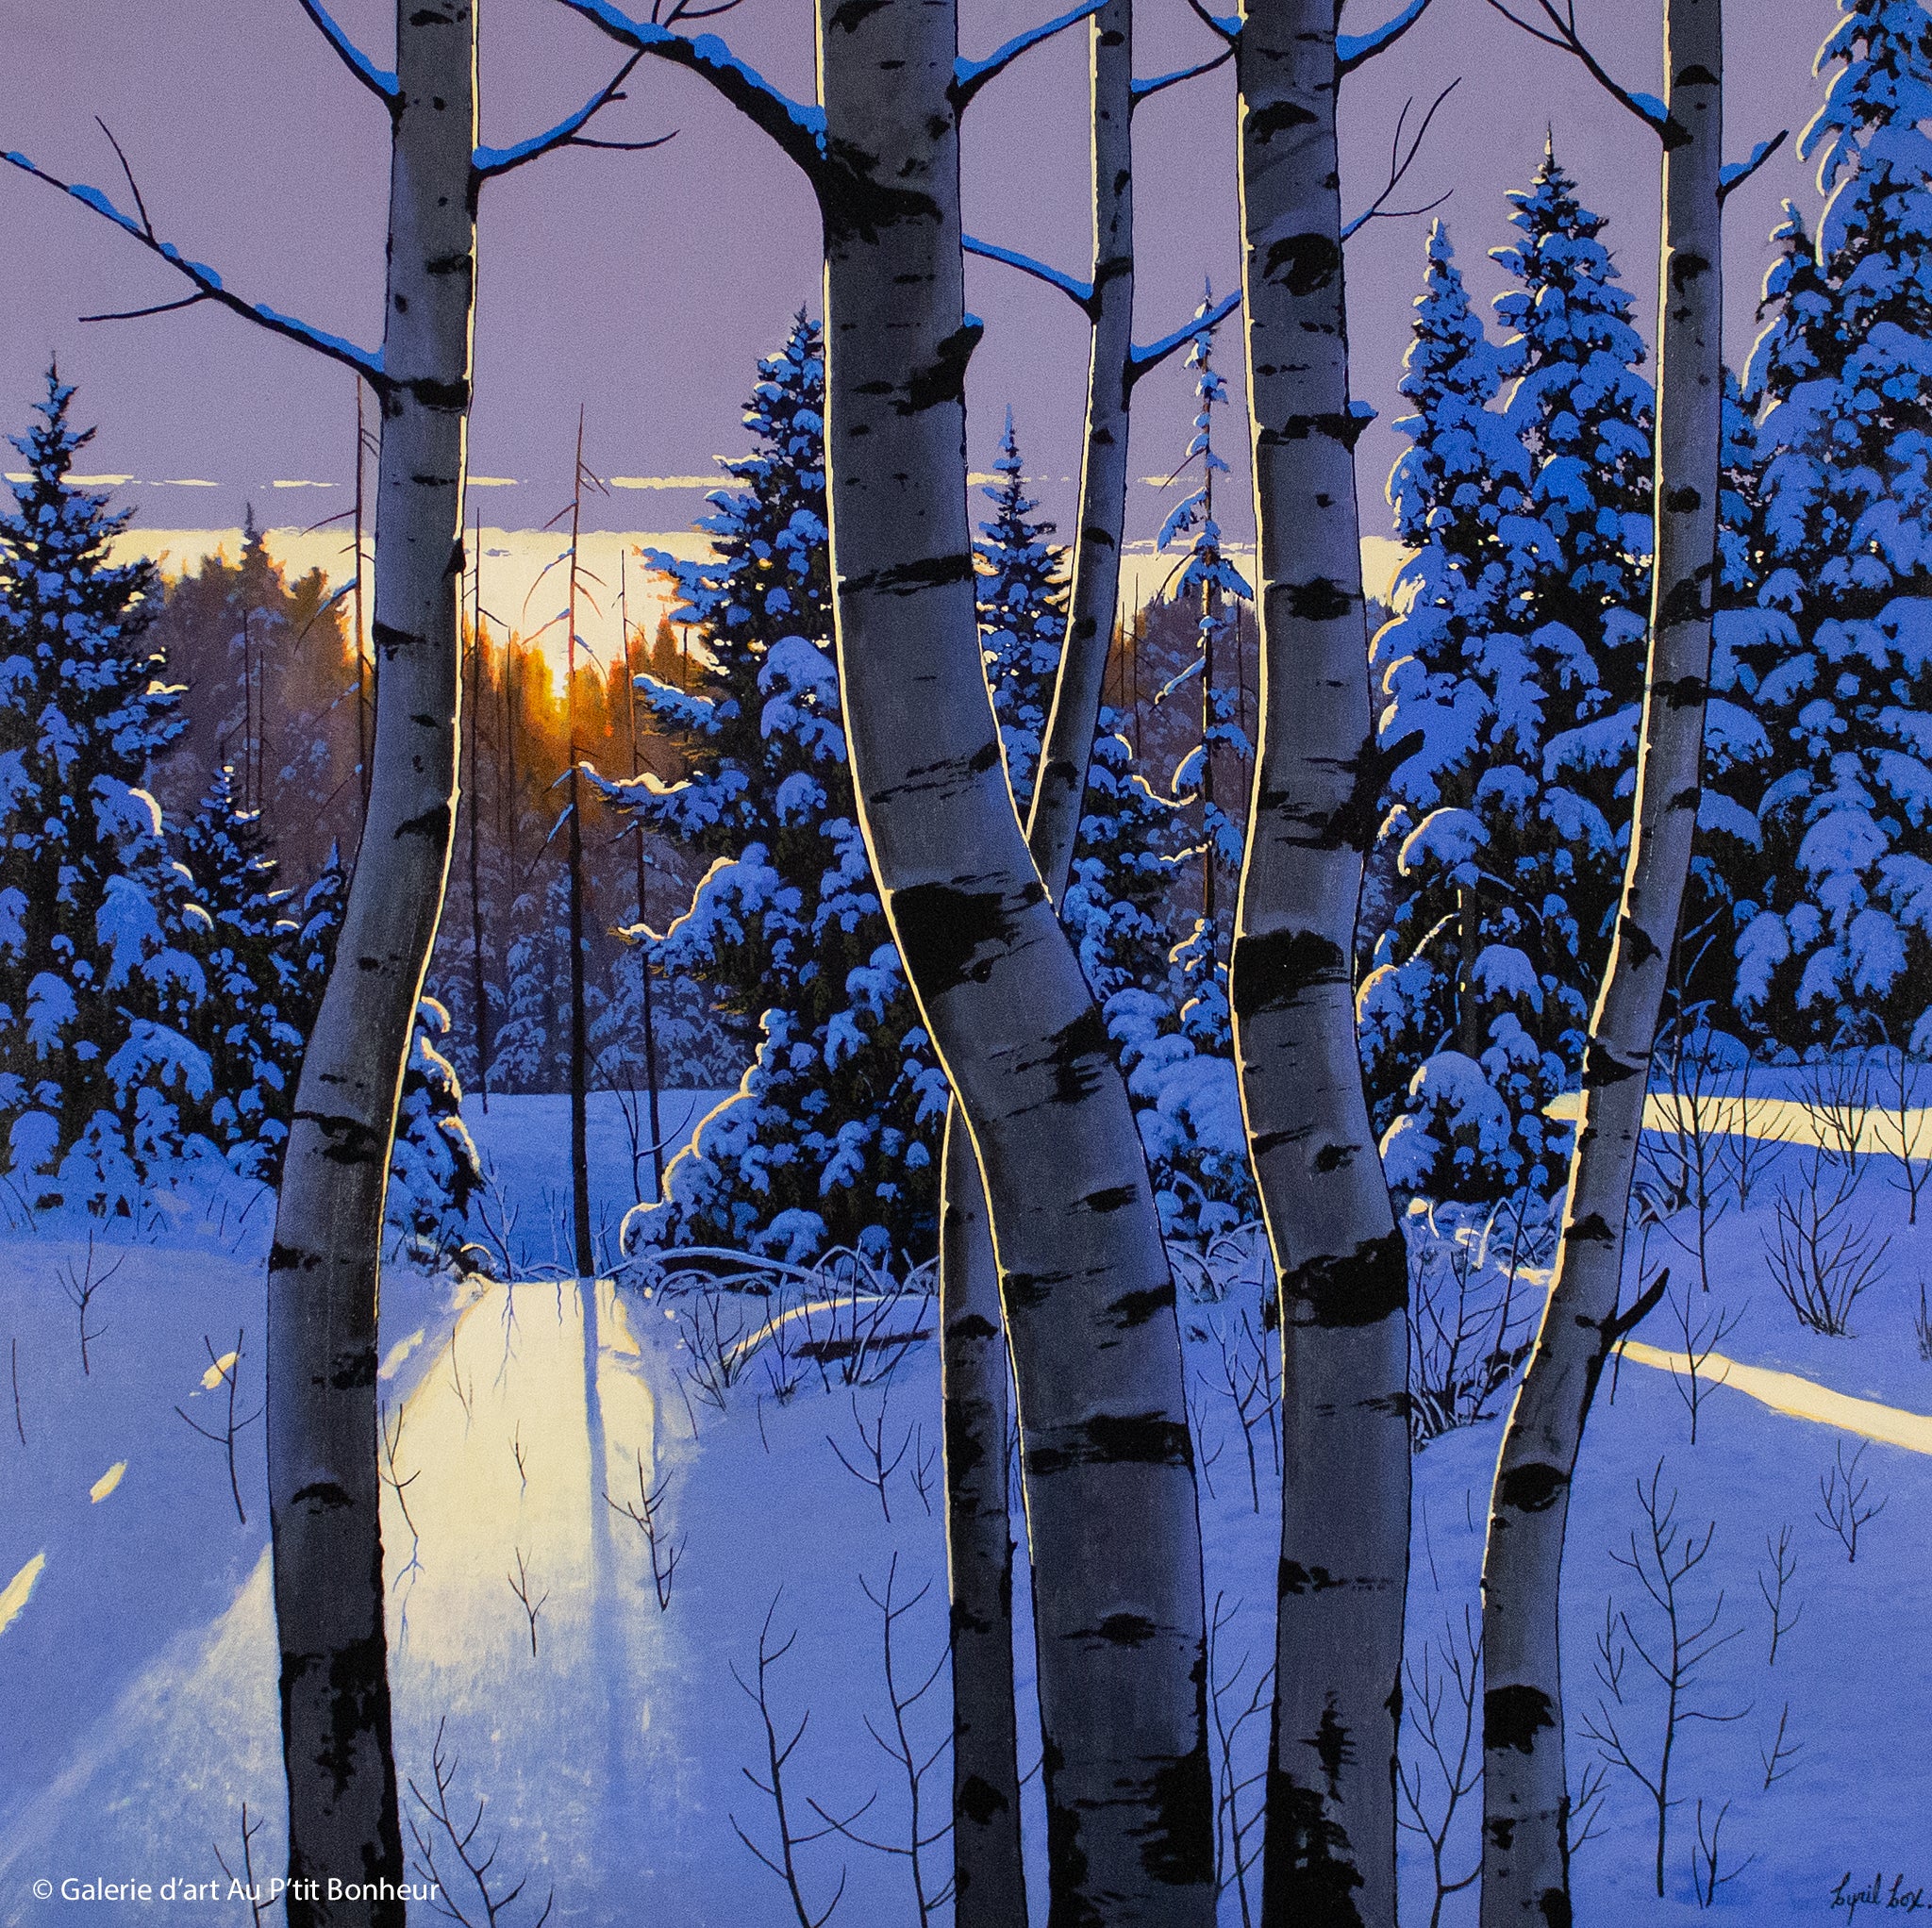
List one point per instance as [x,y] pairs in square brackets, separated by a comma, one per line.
[1352,49]
[1079,292]
[1228,26]
[1563,34]
[369,366]
[489,161]
[1144,359]
[1146,89]
[1399,164]
[136,314]
[969,76]
[1739,172]
[798,129]
[383,85]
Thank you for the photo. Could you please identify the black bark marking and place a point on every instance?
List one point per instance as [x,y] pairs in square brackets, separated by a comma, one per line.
[1268,970]
[1350,1290]
[911,579]
[1686,692]
[432,825]
[1111,1198]
[1601,1067]
[1291,1577]
[1696,74]
[357,1370]
[1683,500]
[1553,1906]
[853,14]
[986,758]
[1278,117]
[1303,264]
[291,1259]
[1513,1717]
[1637,942]
[1117,1440]
[321,1496]
[978,1800]
[1311,1876]
[1334,1748]
[1532,1488]
[1080,1055]
[1318,600]
[346,1141]
[973,1326]
[432,393]
[1687,601]
[1136,1309]
[945,380]
[1125,1630]
[1344,428]
[1178,1848]
[942,930]
[1593,1229]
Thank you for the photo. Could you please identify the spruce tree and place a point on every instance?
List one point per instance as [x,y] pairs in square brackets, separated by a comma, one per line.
[1836,658]
[1512,671]
[830,1140]
[95,976]
[1023,619]
[252,1023]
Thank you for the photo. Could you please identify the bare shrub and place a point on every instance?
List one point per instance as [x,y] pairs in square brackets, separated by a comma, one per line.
[439,1832]
[1822,1254]
[1682,1637]
[81,1283]
[1846,1511]
[226,1370]
[648,1517]
[1439,1710]
[1237,1814]
[1469,1322]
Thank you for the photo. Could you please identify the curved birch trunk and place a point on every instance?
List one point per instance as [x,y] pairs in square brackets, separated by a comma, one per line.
[1106,1460]
[324,1489]
[1525,1803]
[989,1874]
[1330,1854]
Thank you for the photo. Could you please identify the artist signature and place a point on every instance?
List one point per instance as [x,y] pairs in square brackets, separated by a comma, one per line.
[1876,1893]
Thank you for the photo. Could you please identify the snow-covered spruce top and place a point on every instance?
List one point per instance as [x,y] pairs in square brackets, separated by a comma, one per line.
[831,1138]
[1833,656]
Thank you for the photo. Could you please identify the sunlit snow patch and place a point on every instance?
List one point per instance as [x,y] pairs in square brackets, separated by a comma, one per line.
[20,1590]
[108,1482]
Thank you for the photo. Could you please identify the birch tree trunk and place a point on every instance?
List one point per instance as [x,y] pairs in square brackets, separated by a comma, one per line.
[988,1873]
[323,1490]
[1330,1853]
[1525,1803]
[1089,1300]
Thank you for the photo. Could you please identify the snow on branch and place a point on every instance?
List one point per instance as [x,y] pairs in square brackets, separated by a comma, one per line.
[1228,26]
[207,283]
[1399,165]
[1146,89]
[1079,292]
[567,132]
[1352,49]
[1738,172]
[1562,33]
[969,76]
[383,85]
[1142,360]
[798,129]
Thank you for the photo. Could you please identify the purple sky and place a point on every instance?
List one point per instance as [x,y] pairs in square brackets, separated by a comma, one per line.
[644,285]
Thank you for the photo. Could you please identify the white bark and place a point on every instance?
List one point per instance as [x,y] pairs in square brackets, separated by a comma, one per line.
[1525,1804]
[1088,1299]
[324,1281]
[1330,1853]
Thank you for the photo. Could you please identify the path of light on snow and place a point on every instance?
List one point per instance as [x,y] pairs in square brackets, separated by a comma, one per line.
[552,1741]
[1782,1120]
[1795,1396]
[19,1589]
[108,1482]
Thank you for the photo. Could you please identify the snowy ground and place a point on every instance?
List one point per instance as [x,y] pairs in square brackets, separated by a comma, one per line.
[136,1659]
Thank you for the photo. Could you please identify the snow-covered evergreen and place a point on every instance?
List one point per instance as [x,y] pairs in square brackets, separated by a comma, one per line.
[254,1020]
[1835,661]
[1021,595]
[96,972]
[831,1137]
[1511,672]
